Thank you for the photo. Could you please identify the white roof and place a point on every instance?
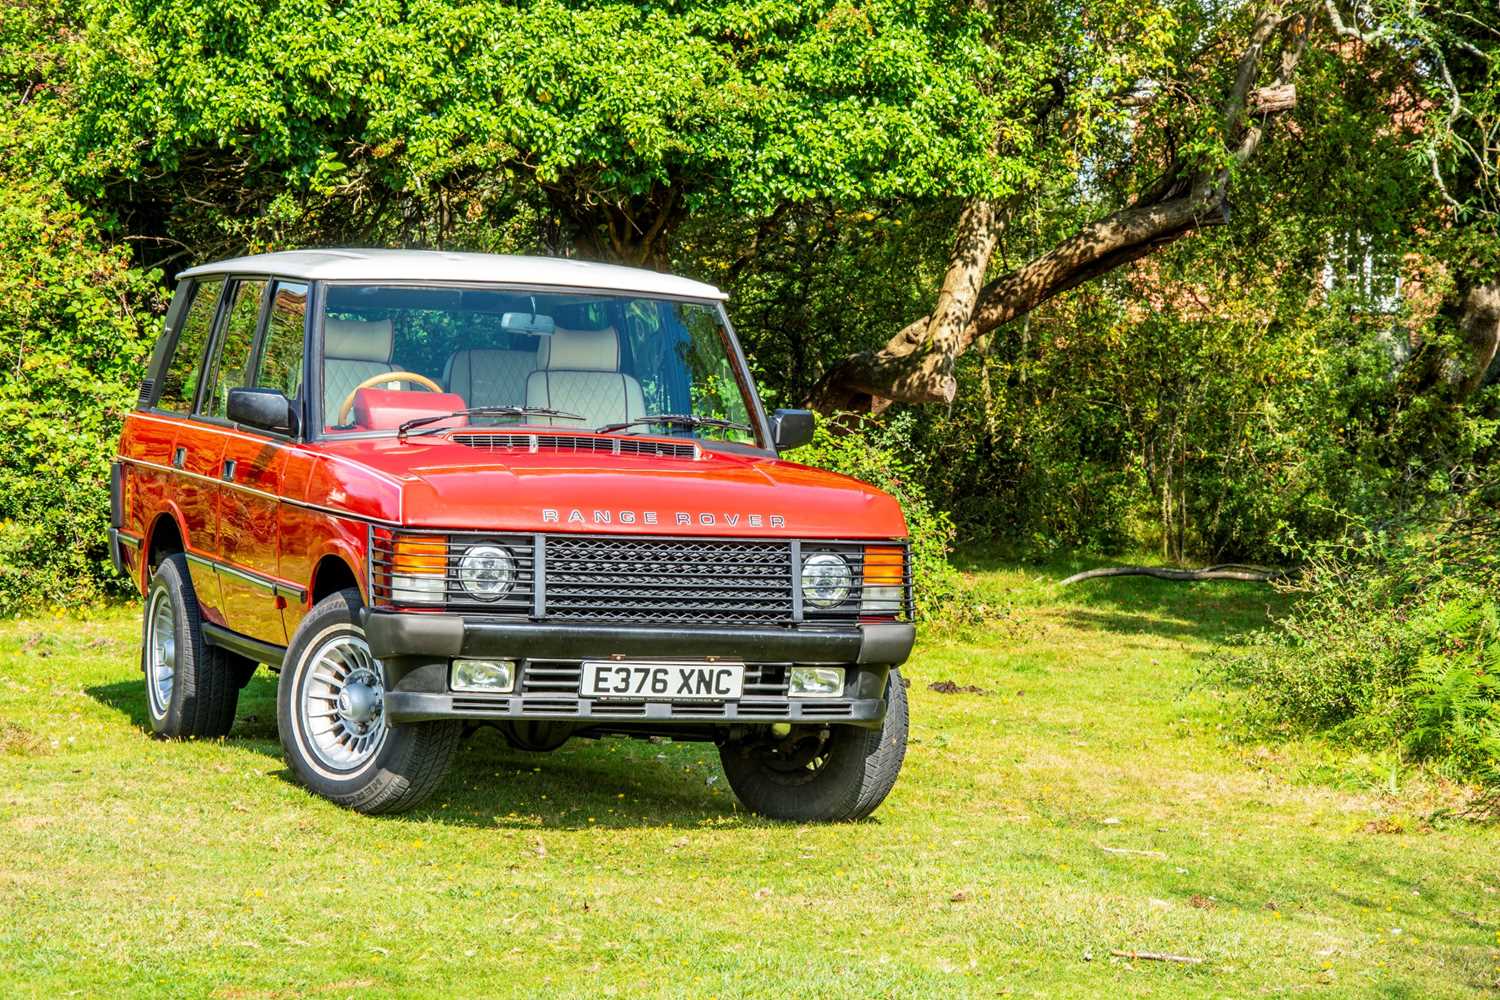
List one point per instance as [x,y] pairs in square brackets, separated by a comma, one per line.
[469,268]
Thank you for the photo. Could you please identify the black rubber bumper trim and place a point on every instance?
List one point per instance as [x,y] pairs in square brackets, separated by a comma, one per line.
[118,540]
[114,551]
[889,643]
[403,707]
[395,634]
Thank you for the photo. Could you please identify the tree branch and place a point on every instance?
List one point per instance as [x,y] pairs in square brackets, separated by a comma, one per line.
[916,364]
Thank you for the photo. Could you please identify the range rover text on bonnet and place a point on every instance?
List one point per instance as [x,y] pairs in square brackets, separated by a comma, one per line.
[441,490]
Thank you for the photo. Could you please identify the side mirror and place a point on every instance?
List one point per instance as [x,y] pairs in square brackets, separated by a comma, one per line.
[267,409]
[792,428]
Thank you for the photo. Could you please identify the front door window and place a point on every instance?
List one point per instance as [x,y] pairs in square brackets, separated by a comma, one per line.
[280,365]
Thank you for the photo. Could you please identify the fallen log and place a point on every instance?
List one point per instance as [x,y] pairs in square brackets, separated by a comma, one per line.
[1223,571]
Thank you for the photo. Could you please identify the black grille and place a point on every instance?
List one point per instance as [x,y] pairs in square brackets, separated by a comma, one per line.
[148,386]
[704,582]
[575,443]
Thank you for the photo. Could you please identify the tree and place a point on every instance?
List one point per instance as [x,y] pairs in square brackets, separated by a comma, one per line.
[1410,51]
[602,125]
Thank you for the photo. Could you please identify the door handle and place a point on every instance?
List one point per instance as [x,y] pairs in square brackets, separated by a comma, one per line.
[228,472]
[179,457]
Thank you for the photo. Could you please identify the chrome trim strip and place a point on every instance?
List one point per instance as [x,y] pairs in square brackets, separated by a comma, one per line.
[229,430]
[260,493]
[128,539]
[288,590]
[269,584]
[254,579]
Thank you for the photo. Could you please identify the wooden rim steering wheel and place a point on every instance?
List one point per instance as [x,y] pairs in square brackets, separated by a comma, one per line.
[385,378]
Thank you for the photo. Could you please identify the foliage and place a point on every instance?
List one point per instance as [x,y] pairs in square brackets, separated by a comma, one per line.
[607,121]
[1394,642]
[1217,401]
[881,454]
[72,343]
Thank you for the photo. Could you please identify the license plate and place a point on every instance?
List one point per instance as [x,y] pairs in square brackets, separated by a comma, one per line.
[661,681]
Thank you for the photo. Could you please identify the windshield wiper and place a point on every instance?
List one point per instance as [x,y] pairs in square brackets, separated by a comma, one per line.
[675,420]
[484,411]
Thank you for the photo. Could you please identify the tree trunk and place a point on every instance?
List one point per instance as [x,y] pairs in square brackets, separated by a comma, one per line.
[919,359]
[916,365]
[1479,321]
[1452,377]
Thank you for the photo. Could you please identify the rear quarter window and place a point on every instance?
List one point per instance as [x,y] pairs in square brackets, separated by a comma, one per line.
[179,384]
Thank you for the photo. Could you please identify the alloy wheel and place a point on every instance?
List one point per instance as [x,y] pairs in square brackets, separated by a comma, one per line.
[341,703]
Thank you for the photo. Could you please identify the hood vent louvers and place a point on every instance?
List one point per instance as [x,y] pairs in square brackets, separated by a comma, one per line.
[576,444]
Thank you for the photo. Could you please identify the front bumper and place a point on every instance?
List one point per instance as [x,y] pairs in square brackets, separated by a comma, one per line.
[416,649]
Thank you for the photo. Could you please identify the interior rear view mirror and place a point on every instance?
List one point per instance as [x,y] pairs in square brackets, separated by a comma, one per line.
[531,324]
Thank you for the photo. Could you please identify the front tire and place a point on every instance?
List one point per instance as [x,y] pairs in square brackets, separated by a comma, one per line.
[822,774]
[331,718]
[192,688]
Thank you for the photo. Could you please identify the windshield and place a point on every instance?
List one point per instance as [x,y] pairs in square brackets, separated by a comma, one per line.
[395,355]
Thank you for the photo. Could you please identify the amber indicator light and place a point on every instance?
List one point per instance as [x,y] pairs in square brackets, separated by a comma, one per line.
[885,566]
[419,555]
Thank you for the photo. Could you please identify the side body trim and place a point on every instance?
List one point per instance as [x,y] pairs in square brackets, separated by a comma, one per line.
[271,585]
[255,492]
[262,652]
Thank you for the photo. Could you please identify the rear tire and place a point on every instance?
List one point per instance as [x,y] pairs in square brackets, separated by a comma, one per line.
[822,774]
[192,688]
[330,714]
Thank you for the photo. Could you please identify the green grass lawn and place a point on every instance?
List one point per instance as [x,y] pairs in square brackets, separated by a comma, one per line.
[1090,799]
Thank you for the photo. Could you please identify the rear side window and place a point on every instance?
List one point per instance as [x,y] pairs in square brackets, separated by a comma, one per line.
[280,364]
[231,356]
[179,384]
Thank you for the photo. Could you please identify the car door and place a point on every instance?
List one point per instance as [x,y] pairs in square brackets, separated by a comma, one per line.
[255,466]
[246,476]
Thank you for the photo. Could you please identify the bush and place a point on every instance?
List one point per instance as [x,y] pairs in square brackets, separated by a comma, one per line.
[1395,643]
[75,325]
[880,453]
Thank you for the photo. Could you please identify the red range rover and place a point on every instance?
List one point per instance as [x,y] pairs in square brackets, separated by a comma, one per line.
[439,490]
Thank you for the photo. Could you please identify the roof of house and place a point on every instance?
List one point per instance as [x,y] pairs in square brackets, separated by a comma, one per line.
[469,268]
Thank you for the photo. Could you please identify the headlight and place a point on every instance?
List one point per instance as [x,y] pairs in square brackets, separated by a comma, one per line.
[815,682]
[487,572]
[494,676]
[826,579]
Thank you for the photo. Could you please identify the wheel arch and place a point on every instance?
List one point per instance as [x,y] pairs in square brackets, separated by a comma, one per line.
[164,537]
[332,573]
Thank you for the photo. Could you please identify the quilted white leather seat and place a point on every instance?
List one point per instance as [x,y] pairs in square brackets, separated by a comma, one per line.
[353,350]
[490,377]
[579,371]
